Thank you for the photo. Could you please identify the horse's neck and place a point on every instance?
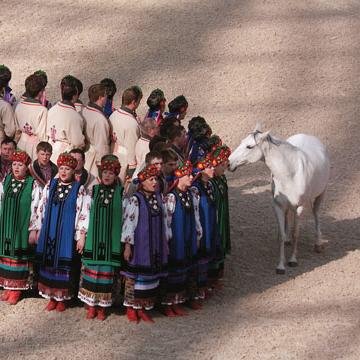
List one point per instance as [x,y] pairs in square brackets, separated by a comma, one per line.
[281,159]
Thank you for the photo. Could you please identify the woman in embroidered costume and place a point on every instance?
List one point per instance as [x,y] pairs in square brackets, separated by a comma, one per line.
[102,253]
[220,161]
[146,251]
[59,218]
[20,196]
[208,218]
[183,235]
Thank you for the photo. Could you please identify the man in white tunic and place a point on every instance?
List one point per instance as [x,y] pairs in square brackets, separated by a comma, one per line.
[126,131]
[31,116]
[65,124]
[97,128]
[7,118]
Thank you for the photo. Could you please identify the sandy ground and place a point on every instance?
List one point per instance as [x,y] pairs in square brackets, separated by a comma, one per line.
[293,66]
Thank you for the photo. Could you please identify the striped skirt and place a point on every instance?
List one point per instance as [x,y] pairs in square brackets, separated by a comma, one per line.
[15,274]
[141,292]
[97,285]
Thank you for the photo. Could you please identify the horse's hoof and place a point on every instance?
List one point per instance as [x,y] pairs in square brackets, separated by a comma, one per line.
[292,263]
[280,271]
[319,248]
[287,243]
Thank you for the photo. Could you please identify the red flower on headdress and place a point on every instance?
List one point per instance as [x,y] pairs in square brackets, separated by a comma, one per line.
[21,156]
[65,159]
[204,163]
[148,172]
[184,168]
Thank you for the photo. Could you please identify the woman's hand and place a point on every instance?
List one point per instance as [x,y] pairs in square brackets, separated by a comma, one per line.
[33,237]
[127,252]
[81,243]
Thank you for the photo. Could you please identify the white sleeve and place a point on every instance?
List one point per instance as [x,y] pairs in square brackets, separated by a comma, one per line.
[169,205]
[35,201]
[130,220]
[37,216]
[82,213]
[196,201]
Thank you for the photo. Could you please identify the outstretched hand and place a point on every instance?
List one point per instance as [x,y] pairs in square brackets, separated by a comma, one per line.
[127,252]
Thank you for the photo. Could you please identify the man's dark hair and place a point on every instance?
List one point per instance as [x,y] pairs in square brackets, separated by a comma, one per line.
[174,132]
[155,99]
[8,140]
[42,74]
[33,85]
[78,151]
[79,86]
[169,155]
[155,140]
[44,146]
[5,76]
[110,87]
[168,123]
[152,155]
[131,94]
[96,91]
[177,104]
[68,87]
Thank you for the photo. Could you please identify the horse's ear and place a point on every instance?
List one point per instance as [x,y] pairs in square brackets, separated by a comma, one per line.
[262,136]
[257,127]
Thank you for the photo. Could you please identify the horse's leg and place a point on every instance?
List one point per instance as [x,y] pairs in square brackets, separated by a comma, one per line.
[280,216]
[296,214]
[289,223]
[319,245]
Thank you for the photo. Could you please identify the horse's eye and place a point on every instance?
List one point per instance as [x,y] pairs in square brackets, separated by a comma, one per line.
[249,147]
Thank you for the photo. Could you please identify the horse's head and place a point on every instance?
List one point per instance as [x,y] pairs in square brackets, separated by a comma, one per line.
[249,150]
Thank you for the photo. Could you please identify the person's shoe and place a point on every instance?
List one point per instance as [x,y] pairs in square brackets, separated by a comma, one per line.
[60,307]
[132,315]
[5,295]
[144,316]
[195,305]
[51,305]
[91,312]
[101,313]
[179,311]
[14,297]
[168,311]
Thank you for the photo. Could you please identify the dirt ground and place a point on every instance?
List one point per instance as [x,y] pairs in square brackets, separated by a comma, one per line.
[293,66]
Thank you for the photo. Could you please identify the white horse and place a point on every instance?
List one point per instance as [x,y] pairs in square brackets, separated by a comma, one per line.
[300,169]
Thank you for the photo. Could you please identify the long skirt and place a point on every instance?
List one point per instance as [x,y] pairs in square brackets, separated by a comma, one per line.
[97,285]
[141,292]
[16,274]
[57,284]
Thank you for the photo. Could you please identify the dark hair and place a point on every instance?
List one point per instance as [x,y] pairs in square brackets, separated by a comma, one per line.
[152,155]
[131,94]
[155,98]
[78,151]
[79,86]
[155,140]
[96,91]
[69,87]
[33,85]
[198,128]
[42,74]
[44,146]
[169,155]
[168,123]
[174,132]
[8,140]
[177,104]
[5,76]
[110,87]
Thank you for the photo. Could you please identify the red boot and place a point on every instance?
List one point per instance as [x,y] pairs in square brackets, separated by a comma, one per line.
[60,307]
[179,311]
[91,312]
[5,295]
[168,311]
[131,314]
[14,297]
[51,305]
[195,305]
[101,313]
[144,316]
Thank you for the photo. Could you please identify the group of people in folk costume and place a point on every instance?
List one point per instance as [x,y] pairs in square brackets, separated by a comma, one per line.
[100,205]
